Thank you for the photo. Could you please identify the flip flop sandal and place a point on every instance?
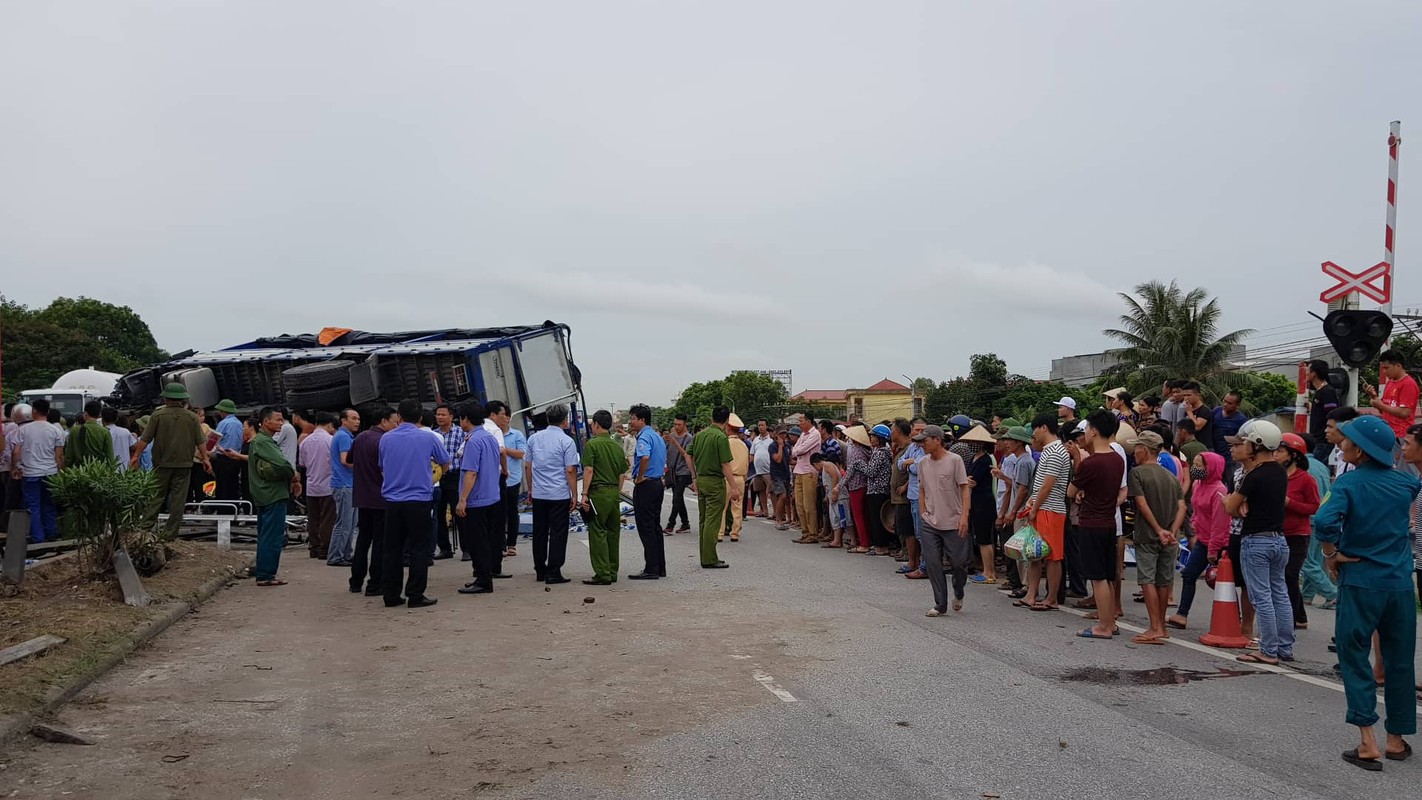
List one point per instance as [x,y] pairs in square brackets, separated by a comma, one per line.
[1403,756]
[1255,658]
[1148,640]
[1022,603]
[1087,634]
[1173,624]
[1041,607]
[1369,764]
[272,582]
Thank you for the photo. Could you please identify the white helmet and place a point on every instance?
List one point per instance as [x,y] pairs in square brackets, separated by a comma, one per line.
[1261,433]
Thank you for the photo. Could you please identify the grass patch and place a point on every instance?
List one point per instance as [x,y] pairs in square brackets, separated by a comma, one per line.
[59,599]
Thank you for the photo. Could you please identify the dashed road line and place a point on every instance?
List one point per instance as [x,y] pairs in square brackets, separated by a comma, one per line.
[774,688]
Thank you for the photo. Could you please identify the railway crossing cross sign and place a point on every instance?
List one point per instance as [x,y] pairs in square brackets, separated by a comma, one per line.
[1361,282]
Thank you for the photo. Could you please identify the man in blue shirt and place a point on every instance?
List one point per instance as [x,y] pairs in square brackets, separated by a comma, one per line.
[342,486]
[1226,421]
[480,499]
[553,463]
[407,484]
[227,467]
[515,445]
[649,466]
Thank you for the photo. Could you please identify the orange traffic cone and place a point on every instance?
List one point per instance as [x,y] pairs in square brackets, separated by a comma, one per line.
[1224,619]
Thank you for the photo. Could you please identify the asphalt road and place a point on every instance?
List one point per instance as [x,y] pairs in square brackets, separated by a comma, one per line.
[799,672]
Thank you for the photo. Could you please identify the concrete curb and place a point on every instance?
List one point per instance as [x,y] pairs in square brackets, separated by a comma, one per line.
[15,725]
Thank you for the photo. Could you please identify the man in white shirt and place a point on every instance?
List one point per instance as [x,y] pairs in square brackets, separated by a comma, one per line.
[122,437]
[36,453]
[760,456]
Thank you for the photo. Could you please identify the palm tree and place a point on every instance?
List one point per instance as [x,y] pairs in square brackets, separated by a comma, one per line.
[1169,333]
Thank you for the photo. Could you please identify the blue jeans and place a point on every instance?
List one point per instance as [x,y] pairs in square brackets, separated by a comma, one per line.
[1199,559]
[271,538]
[44,517]
[1265,555]
[340,549]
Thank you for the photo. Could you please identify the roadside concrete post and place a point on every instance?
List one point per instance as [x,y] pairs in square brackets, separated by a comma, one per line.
[16,547]
[224,534]
[133,592]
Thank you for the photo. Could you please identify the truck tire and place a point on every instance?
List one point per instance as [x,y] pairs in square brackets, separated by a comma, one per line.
[332,398]
[320,375]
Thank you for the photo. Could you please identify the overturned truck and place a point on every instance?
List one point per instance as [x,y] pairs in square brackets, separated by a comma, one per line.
[528,367]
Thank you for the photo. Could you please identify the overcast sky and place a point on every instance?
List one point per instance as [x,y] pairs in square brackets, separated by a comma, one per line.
[850,190]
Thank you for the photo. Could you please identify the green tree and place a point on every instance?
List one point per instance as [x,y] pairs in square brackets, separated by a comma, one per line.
[120,336]
[1170,333]
[986,370]
[1271,391]
[750,394]
[37,352]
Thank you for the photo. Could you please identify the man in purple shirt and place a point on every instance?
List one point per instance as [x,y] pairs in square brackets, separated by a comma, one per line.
[369,504]
[480,507]
[407,485]
[314,456]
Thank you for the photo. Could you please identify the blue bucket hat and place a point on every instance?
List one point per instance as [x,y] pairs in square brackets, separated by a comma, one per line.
[1372,436]
[881,431]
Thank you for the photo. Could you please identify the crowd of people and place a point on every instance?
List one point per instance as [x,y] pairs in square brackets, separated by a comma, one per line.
[1328,515]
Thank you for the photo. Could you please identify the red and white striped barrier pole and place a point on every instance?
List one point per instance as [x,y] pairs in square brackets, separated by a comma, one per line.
[1394,146]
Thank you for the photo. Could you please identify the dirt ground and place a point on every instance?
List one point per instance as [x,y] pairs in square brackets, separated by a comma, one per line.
[57,599]
[309,691]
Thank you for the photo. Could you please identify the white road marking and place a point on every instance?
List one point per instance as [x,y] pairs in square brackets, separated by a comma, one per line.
[774,688]
[739,656]
[1228,656]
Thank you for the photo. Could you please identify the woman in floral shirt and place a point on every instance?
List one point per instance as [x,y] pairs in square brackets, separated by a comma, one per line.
[877,474]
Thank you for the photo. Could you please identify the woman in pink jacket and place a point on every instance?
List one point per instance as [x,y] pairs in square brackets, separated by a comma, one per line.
[1211,525]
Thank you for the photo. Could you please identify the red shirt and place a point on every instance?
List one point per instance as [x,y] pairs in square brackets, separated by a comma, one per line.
[1300,503]
[1401,392]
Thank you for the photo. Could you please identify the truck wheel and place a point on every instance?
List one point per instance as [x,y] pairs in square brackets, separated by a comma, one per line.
[333,398]
[319,375]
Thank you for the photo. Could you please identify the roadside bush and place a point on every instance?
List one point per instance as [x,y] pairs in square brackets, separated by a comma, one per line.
[103,509]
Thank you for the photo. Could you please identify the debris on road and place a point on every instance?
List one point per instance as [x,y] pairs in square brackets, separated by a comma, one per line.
[57,736]
[32,647]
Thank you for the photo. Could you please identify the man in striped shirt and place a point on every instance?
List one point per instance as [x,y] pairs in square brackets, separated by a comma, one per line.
[1046,510]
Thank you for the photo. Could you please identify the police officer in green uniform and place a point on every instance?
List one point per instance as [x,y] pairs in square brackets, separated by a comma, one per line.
[604,464]
[711,461]
[176,437]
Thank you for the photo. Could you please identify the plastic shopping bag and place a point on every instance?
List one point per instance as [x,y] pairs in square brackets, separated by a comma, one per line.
[1027,545]
[1013,546]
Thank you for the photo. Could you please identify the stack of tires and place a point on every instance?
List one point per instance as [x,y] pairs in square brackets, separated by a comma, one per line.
[324,385]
